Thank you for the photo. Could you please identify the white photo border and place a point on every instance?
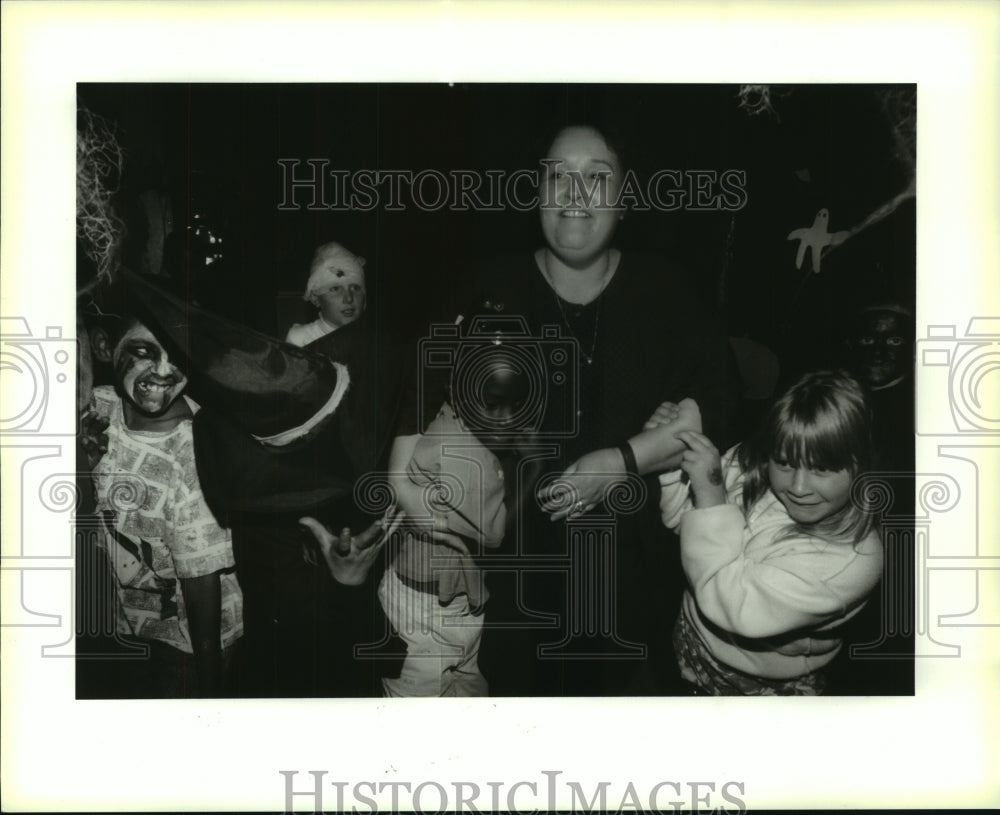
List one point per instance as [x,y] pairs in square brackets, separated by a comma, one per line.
[938,749]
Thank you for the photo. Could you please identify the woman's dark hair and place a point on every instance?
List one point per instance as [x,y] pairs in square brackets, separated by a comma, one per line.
[613,137]
[821,422]
[610,137]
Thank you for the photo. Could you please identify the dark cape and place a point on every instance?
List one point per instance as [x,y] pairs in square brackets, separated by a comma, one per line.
[305,634]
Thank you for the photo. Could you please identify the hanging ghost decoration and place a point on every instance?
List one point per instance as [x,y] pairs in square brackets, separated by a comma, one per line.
[816,238]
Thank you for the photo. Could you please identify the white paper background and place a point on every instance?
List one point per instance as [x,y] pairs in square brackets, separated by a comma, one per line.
[937,750]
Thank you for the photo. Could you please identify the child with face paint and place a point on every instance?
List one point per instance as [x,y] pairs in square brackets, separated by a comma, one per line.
[451,482]
[336,286]
[880,344]
[776,555]
[176,590]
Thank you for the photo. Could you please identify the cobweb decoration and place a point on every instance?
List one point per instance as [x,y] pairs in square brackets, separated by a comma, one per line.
[99,162]
[899,106]
[756,99]
[899,113]
[899,109]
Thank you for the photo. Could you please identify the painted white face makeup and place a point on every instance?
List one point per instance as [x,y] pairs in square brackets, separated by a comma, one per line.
[144,373]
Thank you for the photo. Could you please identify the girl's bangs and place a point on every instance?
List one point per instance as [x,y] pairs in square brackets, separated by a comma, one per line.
[816,445]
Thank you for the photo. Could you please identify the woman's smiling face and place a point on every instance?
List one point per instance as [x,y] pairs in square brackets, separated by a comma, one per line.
[581,179]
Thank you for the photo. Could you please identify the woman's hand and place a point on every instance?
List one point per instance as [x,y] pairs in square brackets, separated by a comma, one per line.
[583,485]
[350,557]
[703,466]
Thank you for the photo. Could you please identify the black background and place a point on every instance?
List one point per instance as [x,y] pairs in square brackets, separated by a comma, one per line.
[215,149]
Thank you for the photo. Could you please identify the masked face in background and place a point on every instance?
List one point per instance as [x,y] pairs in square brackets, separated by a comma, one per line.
[882,347]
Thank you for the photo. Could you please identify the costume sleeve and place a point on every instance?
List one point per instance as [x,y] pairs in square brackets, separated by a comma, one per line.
[480,508]
[461,482]
[238,474]
[675,492]
[675,498]
[198,545]
[810,582]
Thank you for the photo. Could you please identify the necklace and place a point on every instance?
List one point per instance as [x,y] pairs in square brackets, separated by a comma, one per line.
[597,315]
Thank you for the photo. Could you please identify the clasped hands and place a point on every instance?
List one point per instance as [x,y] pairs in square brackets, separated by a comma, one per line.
[659,447]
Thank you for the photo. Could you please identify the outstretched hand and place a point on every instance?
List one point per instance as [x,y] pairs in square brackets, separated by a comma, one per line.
[350,557]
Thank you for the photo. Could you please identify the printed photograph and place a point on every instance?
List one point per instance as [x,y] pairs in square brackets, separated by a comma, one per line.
[495,390]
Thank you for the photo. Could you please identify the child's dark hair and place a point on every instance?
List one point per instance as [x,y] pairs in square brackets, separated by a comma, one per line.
[821,422]
[485,352]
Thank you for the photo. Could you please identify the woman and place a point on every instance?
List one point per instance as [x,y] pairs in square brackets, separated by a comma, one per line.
[642,338]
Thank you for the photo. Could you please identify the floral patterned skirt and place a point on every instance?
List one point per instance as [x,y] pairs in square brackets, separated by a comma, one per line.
[715,678]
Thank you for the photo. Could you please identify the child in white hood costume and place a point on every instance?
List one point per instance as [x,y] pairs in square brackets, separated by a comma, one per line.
[336,286]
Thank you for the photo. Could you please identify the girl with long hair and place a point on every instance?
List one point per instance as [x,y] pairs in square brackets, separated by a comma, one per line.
[776,551]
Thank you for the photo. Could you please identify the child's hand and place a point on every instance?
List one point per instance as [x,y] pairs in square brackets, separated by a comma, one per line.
[664,414]
[350,557]
[684,415]
[93,436]
[660,440]
[703,466]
